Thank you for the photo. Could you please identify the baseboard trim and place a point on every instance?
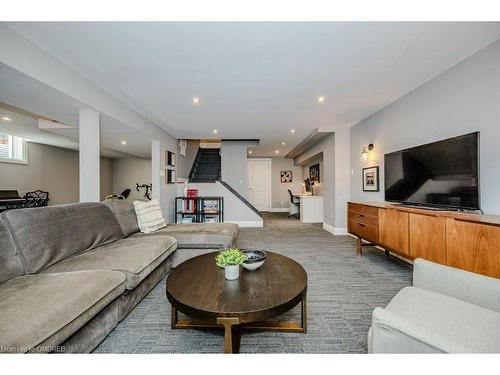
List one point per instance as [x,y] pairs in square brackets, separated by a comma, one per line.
[279,209]
[335,231]
[248,224]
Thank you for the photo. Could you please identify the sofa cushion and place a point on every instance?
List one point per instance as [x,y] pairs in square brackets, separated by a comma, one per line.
[468,325]
[149,216]
[125,214]
[135,257]
[47,309]
[47,235]
[10,263]
[199,235]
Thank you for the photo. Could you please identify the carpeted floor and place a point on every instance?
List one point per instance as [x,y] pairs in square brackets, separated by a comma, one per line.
[343,290]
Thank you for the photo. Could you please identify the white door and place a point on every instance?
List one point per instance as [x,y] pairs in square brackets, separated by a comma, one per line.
[259,183]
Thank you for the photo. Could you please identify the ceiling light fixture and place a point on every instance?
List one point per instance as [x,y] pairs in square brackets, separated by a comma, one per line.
[123,142]
[215,131]
[196,99]
[282,143]
[276,151]
[292,131]
[5,118]
[321,99]
[250,152]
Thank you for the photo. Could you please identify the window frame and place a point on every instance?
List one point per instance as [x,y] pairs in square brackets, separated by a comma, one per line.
[24,146]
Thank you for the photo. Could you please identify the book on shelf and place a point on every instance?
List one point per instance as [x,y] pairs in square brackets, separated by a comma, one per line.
[210,205]
[210,219]
[187,220]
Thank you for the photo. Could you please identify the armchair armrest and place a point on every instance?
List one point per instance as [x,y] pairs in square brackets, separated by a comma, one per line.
[391,333]
[467,286]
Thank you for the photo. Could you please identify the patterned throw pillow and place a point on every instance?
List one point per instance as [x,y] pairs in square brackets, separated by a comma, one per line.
[149,216]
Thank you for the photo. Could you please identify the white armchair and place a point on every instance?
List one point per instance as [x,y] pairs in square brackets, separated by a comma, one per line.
[447,310]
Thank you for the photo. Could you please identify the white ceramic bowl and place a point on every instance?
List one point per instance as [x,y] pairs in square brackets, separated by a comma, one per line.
[255,259]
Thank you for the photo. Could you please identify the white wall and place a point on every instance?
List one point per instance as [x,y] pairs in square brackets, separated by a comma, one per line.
[464,99]
[185,163]
[129,171]
[52,169]
[280,199]
[234,164]
[235,211]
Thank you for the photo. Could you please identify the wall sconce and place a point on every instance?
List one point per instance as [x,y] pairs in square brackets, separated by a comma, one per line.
[366,150]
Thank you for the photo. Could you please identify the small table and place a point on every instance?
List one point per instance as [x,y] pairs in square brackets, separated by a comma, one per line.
[198,288]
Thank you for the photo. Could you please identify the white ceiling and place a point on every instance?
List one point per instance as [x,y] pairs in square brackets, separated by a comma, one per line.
[25,93]
[259,80]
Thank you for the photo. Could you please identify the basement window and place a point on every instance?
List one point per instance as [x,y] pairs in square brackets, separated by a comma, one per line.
[13,149]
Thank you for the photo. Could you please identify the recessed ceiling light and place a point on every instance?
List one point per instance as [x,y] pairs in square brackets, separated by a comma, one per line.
[215,131]
[321,99]
[196,99]
[292,131]
[276,151]
[123,142]
[5,118]
[282,143]
[250,152]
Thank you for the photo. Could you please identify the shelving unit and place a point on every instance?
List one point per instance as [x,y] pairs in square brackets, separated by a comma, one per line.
[199,209]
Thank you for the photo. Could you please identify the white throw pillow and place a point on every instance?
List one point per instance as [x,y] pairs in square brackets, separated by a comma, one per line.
[149,216]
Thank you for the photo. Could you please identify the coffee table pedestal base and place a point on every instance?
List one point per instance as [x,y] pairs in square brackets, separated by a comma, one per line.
[232,327]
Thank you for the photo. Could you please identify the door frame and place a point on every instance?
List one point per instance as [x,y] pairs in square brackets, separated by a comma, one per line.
[269,176]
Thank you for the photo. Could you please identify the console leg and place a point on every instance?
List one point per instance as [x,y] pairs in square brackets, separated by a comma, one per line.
[359,247]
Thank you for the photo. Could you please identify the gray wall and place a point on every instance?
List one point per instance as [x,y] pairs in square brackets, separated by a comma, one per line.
[234,164]
[280,199]
[318,159]
[327,173]
[129,171]
[464,99]
[51,169]
[184,163]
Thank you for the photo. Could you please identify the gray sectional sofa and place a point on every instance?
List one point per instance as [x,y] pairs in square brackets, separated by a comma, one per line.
[69,274]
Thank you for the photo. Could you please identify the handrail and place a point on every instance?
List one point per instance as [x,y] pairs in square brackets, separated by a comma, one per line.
[240,197]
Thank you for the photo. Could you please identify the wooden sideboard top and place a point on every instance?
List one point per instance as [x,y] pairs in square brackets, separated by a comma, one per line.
[462,216]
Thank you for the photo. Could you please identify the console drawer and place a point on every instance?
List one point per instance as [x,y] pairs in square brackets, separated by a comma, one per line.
[363,209]
[363,218]
[365,231]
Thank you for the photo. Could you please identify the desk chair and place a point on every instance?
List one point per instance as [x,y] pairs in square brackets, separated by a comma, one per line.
[294,206]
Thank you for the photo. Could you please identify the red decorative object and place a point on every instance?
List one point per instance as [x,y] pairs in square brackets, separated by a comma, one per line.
[192,193]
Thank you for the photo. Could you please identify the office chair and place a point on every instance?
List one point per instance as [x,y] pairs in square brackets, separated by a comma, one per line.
[294,206]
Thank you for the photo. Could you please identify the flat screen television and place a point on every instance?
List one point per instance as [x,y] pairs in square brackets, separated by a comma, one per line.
[439,174]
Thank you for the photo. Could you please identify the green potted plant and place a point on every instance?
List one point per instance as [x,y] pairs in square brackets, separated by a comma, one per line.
[231,259]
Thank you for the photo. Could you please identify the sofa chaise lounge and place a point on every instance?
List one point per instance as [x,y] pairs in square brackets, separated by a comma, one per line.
[192,239]
[69,274]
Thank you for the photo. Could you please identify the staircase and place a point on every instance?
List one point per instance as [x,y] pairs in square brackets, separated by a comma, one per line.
[206,166]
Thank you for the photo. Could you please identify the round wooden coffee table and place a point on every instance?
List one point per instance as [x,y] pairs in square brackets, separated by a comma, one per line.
[198,288]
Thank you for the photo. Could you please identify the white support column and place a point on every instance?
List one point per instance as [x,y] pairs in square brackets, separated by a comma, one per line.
[90,144]
[342,178]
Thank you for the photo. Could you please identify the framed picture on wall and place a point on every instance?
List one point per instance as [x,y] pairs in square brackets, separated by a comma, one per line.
[314,173]
[370,177]
[286,177]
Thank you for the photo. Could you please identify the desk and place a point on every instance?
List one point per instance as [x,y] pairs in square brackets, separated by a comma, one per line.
[311,208]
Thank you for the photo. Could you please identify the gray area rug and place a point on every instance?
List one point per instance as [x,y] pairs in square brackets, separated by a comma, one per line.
[343,290]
